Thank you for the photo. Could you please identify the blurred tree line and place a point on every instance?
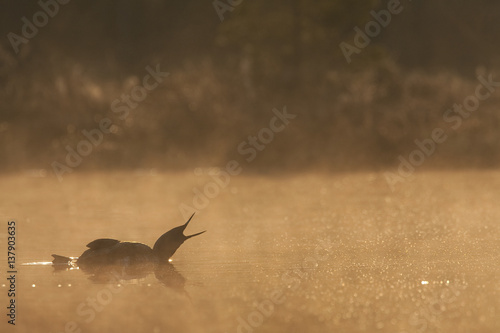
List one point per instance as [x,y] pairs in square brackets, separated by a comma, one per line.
[226,76]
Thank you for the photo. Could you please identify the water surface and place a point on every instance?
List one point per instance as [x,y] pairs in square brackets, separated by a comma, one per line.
[307,252]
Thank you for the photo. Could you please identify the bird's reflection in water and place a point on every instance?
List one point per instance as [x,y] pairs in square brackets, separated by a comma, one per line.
[166,273]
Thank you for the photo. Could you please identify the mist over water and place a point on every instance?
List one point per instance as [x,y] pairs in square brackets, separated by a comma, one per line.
[343,158]
[342,253]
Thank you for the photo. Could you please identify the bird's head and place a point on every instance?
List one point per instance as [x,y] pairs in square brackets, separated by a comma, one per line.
[170,241]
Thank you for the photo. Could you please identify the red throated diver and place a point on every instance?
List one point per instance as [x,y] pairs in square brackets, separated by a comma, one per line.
[106,251]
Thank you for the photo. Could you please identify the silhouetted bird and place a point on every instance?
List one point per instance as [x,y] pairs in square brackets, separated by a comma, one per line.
[106,251]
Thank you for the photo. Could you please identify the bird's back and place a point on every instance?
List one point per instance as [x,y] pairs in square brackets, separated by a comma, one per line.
[114,252]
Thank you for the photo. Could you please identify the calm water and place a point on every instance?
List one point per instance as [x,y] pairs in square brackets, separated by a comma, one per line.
[315,253]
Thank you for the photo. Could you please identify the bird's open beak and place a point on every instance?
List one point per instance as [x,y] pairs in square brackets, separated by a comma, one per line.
[195,234]
[186,224]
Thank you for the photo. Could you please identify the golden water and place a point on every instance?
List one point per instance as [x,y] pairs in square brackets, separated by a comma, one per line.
[297,253]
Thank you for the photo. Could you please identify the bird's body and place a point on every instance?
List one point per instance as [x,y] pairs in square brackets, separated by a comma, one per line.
[106,251]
